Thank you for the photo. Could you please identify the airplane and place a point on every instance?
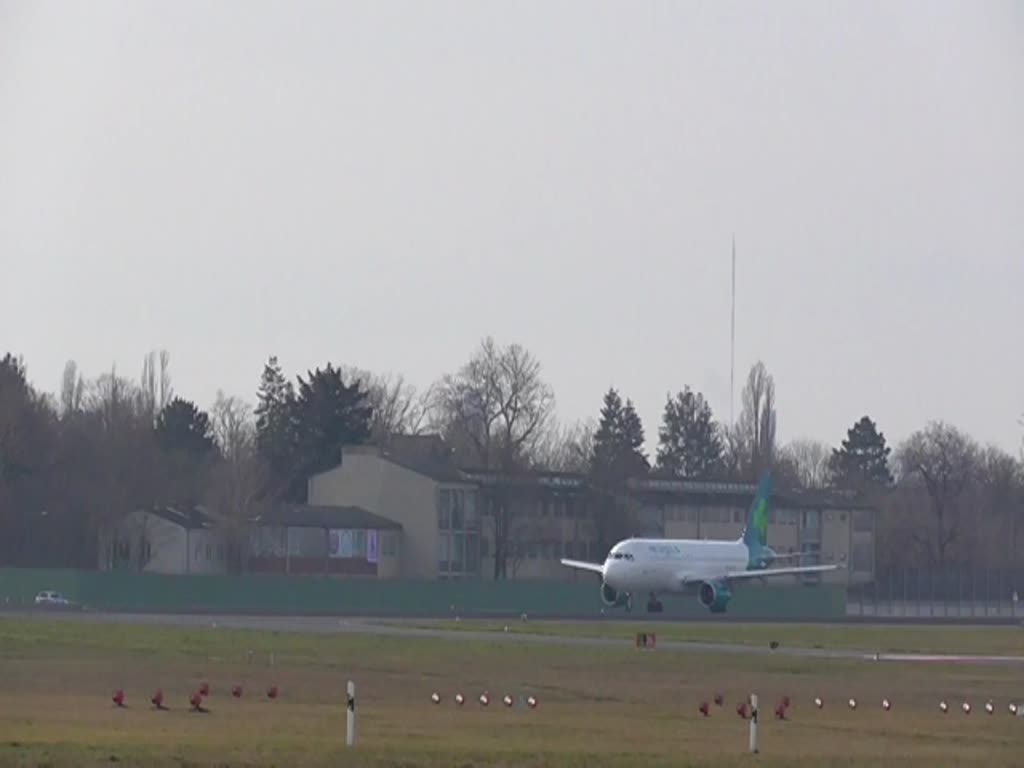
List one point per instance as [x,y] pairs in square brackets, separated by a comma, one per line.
[682,566]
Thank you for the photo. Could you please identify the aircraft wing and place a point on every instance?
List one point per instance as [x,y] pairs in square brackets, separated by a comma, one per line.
[781,571]
[584,566]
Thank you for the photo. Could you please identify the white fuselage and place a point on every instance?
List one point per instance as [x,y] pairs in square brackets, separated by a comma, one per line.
[668,565]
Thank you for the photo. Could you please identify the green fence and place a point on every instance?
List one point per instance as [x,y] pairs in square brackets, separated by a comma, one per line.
[312,595]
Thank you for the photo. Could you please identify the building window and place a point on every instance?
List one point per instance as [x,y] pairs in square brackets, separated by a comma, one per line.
[458,499]
[712,515]
[863,520]
[863,555]
[812,518]
[472,554]
[458,550]
[443,510]
[810,553]
[443,552]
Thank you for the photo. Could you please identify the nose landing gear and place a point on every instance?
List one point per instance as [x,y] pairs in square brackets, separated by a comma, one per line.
[654,604]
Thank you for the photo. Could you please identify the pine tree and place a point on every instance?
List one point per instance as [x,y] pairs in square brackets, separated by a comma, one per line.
[329,414]
[276,428]
[618,442]
[182,428]
[863,458]
[689,441]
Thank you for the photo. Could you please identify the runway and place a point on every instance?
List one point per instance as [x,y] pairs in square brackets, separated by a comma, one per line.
[370,626]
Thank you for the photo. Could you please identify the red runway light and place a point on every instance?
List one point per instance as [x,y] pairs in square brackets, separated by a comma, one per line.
[204,689]
[236,691]
[158,699]
[118,697]
[704,708]
[272,692]
[741,709]
[196,700]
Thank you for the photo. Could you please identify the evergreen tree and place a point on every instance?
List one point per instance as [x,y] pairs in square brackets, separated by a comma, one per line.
[276,428]
[618,442]
[862,459]
[689,443]
[328,414]
[184,436]
[182,428]
[618,454]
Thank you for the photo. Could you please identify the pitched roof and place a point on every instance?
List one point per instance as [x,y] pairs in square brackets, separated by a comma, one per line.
[191,519]
[531,478]
[426,455]
[731,493]
[324,516]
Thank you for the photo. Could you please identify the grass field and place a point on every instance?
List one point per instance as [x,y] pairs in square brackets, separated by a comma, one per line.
[951,639]
[597,706]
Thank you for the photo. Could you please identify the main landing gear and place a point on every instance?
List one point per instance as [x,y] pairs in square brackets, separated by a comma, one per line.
[654,604]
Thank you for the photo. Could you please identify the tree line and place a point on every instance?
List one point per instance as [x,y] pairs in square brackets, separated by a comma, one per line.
[100,448]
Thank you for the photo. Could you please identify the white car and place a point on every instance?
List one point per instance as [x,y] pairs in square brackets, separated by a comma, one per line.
[51,597]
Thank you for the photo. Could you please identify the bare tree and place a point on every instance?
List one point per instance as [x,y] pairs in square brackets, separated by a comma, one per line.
[72,390]
[154,392]
[398,407]
[944,463]
[757,419]
[567,448]
[121,439]
[1001,504]
[114,398]
[736,452]
[238,477]
[810,461]
[496,410]
[499,403]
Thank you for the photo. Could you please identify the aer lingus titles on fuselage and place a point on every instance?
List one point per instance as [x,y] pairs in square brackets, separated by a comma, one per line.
[680,566]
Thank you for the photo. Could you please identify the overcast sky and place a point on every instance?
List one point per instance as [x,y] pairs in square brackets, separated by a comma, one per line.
[381,184]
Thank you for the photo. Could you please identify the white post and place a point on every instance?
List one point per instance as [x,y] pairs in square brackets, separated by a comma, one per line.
[350,730]
[753,723]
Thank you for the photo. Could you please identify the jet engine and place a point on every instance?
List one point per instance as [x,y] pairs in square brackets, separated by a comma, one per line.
[714,596]
[611,596]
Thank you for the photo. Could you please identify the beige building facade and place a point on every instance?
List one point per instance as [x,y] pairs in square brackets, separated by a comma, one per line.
[448,516]
[164,540]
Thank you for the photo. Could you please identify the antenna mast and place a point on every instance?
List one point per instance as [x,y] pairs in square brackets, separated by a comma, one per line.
[732,339]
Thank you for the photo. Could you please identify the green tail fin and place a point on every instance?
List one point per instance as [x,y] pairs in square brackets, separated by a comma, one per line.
[755,535]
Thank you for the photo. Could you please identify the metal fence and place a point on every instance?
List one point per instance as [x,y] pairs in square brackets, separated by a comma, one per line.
[940,594]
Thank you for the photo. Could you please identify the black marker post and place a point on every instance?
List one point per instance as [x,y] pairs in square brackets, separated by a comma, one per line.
[350,730]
